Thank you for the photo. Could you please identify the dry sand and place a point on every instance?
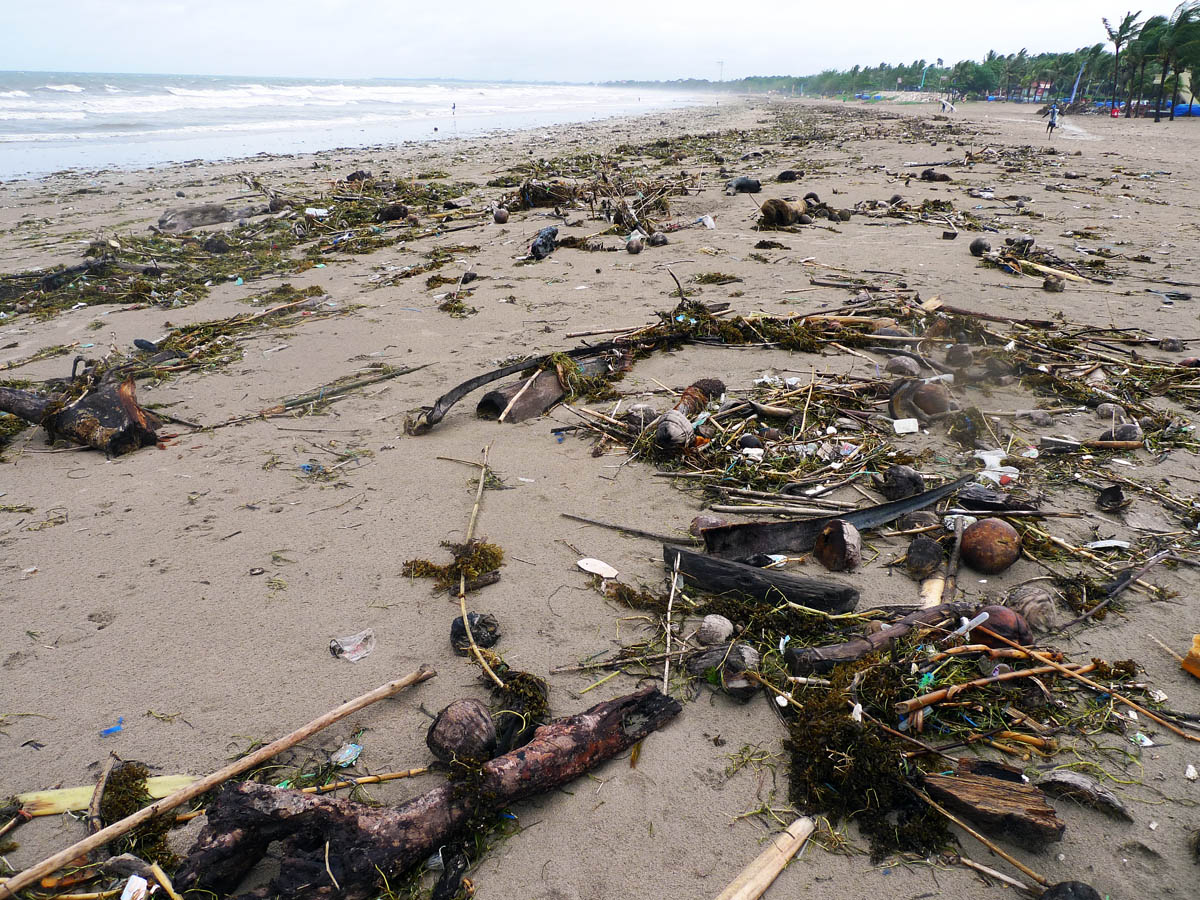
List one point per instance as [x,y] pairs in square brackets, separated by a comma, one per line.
[142,601]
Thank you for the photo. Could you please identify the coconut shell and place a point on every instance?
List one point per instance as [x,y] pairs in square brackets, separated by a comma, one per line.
[1110,412]
[990,546]
[922,518]
[776,213]
[899,482]
[1007,623]
[839,546]
[500,215]
[924,557]
[731,662]
[980,246]
[701,522]
[674,432]
[462,732]
[933,399]
[635,245]
[903,365]
[1033,602]
[714,629]
[1129,431]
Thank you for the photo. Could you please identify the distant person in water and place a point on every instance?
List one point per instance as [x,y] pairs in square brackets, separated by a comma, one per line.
[1053,122]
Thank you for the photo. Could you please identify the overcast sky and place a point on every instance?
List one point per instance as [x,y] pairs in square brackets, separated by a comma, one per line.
[575,40]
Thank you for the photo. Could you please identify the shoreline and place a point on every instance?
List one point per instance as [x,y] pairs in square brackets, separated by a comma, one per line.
[193,590]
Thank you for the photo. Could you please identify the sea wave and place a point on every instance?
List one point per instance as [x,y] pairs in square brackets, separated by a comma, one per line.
[10,94]
[66,88]
[340,122]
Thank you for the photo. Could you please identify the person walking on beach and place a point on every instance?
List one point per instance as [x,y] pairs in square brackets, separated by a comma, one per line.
[1053,123]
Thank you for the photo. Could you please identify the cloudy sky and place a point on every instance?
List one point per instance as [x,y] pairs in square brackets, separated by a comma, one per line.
[521,40]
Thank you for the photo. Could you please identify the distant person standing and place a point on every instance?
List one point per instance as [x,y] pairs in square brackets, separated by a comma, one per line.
[1053,121]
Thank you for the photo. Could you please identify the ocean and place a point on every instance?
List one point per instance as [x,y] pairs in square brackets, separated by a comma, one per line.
[51,121]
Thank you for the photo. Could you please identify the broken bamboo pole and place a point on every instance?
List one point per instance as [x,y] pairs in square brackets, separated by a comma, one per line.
[754,880]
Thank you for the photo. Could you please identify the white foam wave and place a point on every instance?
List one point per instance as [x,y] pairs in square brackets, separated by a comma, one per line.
[66,88]
[10,94]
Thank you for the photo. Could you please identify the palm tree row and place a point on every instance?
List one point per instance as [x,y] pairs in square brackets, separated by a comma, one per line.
[1170,44]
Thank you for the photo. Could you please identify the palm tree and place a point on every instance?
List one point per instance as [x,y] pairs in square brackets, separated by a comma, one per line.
[1122,34]
[1172,40]
[1135,56]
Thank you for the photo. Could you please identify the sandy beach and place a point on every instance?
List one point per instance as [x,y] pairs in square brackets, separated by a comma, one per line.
[191,591]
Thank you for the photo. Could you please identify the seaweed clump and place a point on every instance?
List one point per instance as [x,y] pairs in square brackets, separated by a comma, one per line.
[579,384]
[471,560]
[854,771]
[125,794]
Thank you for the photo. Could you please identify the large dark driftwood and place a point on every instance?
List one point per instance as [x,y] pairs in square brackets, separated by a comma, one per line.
[357,844]
[545,391]
[107,417]
[723,576]
[734,541]
[807,660]
[1015,811]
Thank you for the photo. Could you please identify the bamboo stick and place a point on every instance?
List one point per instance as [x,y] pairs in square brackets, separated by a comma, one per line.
[27,877]
[759,875]
[462,578]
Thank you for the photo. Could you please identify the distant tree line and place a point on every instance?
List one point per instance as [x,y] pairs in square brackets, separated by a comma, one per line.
[1151,59]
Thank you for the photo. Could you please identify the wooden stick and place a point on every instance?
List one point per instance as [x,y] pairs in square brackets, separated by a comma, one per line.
[754,880]
[161,877]
[999,876]
[462,578]
[1099,687]
[519,394]
[94,821]
[951,584]
[670,604]
[979,837]
[23,879]
[653,535]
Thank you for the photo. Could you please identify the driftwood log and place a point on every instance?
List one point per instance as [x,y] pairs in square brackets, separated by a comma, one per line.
[721,576]
[1018,812]
[547,389]
[107,417]
[747,539]
[807,660]
[340,848]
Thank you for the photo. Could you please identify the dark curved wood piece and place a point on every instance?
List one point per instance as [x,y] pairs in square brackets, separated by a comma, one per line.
[747,539]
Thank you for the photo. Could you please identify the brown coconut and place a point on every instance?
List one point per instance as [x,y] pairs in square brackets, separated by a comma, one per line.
[463,732]
[990,546]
